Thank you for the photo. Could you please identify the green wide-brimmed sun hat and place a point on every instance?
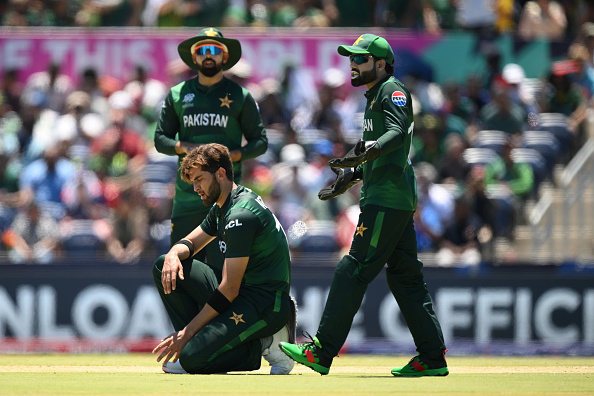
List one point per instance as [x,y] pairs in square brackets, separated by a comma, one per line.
[213,35]
[369,44]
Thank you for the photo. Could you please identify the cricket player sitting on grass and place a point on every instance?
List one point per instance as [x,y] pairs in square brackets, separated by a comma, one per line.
[227,326]
[385,230]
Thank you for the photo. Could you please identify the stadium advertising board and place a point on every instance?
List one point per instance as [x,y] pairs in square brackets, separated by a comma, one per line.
[116,52]
[531,311]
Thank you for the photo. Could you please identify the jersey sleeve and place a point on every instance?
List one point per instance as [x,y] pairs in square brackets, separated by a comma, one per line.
[167,127]
[252,128]
[240,232]
[209,224]
[396,118]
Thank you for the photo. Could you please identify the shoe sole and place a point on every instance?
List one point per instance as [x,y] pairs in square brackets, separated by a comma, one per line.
[426,373]
[170,371]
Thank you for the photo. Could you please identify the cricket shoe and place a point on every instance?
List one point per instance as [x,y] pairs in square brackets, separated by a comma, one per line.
[420,366]
[308,354]
[281,364]
[174,368]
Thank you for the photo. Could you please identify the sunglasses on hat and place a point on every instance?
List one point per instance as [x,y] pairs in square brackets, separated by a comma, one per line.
[213,48]
[360,59]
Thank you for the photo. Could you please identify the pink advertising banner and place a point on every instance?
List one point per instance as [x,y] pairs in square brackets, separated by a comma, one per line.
[117,52]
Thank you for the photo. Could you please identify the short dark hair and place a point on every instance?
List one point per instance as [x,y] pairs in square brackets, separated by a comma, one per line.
[209,158]
[389,68]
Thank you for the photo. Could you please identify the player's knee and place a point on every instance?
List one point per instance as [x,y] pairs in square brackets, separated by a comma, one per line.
[349,266]
[158,267]
[193,362]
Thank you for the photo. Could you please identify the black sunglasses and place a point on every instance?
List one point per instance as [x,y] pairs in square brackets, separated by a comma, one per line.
[360,59]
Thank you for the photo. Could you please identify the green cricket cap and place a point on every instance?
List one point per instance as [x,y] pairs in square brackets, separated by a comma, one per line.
[369,44]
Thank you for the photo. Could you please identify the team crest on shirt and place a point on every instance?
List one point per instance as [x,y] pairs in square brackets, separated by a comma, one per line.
[188,100]
[398,98]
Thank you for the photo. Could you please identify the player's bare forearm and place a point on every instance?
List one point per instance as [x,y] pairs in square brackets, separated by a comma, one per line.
[233,272]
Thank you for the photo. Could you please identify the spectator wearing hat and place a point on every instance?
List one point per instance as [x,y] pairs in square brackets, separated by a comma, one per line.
[519,92]
[209,108]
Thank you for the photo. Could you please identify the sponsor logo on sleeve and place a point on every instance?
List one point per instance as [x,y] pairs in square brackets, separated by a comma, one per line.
[398,98]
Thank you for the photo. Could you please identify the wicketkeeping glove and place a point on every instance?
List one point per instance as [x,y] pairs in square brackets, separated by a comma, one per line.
[363,152]
[345,179]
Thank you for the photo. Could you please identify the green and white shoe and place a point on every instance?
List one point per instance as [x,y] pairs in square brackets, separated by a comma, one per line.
[422,367]
[308,354]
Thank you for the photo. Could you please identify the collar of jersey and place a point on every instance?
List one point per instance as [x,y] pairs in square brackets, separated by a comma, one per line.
[206,88]
[231,196]
[376,87]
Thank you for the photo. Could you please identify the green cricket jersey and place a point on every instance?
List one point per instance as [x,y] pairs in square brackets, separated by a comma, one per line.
[222,113]
[245,227]
[389,180]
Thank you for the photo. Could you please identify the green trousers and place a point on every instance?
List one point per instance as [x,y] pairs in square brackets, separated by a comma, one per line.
[211,254]
[383,236]
[231,341]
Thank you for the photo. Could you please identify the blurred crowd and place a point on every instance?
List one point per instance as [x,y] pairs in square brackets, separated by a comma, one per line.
[79,172]
[530,19]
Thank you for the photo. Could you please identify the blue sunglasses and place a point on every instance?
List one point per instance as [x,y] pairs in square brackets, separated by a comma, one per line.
[213,48]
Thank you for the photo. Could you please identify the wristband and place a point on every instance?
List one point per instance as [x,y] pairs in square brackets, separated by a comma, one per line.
[218,301]
[189,244]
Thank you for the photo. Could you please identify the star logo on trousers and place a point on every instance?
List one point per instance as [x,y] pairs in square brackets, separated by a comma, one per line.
[237,318]
[360,230]
[225,101]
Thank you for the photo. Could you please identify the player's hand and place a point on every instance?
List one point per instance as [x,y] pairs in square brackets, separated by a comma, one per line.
[172,268]
[235,155]
[345,179]
[364,151]
[185,147]
[172,346]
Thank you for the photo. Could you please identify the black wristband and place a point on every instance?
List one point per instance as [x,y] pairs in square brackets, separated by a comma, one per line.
[218,301]
[189,244]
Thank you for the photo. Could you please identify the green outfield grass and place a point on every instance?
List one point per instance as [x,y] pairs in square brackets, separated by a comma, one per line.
[140,374]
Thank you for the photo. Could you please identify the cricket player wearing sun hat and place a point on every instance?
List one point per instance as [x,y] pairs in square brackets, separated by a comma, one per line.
[385,231]
[209,108]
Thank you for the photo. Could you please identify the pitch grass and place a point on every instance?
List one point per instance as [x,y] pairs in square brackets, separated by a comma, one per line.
[140,374]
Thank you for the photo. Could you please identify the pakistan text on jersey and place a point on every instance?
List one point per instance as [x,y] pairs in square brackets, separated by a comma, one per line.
[205,119]
[367,125]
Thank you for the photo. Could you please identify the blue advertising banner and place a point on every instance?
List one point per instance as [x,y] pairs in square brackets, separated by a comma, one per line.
[520,310]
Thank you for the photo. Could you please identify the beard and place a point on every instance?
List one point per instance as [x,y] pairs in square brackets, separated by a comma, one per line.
[364,78]
[210,71]
[212,195]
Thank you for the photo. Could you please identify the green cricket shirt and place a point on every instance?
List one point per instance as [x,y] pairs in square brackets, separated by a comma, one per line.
[389,180]
[245,227]
[221,113]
